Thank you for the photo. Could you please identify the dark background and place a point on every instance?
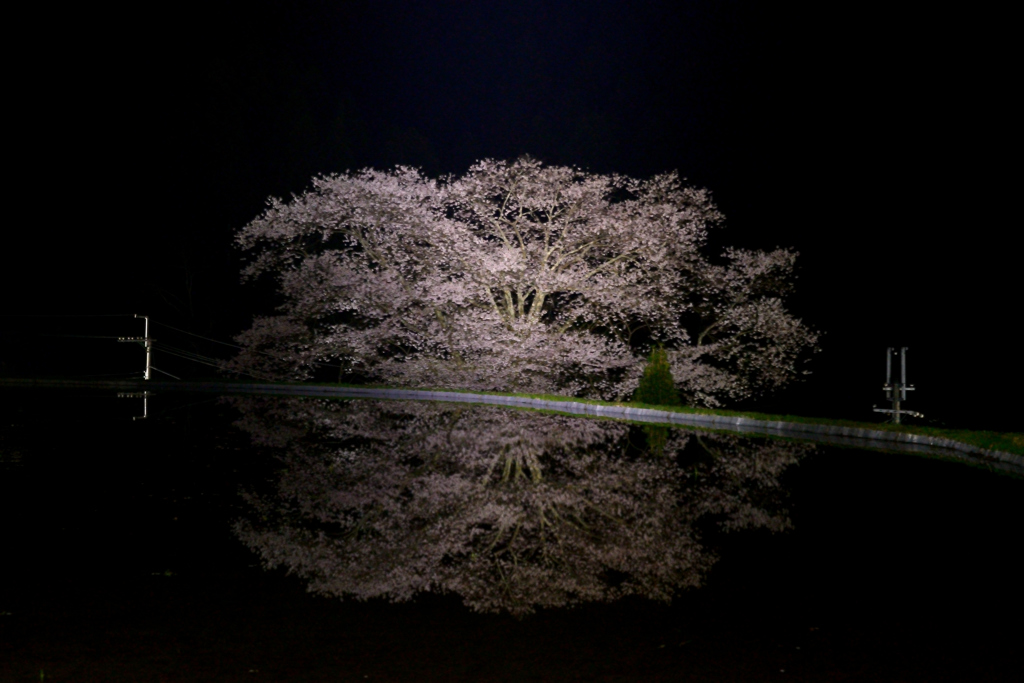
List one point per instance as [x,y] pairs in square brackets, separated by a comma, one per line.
[874,138]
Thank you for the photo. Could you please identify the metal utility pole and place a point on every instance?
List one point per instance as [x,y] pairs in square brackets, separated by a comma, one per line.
[148,343]
[145,341]
[896,392]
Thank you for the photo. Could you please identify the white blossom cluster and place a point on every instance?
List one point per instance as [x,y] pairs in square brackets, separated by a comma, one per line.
[517,277]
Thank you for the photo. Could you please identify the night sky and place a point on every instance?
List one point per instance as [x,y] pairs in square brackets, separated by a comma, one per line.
[874,138]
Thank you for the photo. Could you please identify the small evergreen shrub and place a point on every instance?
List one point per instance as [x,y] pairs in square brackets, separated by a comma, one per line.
[657,386]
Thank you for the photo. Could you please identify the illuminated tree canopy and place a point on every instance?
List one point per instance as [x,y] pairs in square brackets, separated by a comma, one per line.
[517,277]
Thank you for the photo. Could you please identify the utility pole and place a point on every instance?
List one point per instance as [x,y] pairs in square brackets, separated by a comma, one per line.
[148,343]
[896,392]
[145,341]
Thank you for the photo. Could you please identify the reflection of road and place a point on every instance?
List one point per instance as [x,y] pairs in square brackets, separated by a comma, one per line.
[994,460]
[831,434]
[509,510]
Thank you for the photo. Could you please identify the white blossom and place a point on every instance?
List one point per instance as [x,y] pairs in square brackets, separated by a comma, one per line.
[517,277]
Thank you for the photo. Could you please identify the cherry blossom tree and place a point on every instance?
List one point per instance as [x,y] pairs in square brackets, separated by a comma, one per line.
[517,277]
[510,510]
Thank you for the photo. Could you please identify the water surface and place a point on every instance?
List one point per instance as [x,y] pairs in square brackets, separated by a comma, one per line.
[308,539]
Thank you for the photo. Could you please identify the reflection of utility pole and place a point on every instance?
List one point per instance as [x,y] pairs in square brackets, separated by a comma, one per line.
[896,392]
[144,395]
[146,341]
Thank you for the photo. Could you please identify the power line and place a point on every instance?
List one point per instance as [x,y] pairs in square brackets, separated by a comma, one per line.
[153,367]
[108,374]
[171,350]
[77,336]
[215,341]
[198,358]
[192,358]
[193,354]
[234,346]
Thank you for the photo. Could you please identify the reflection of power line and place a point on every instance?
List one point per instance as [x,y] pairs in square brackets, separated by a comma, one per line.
[144,395]
[166,411]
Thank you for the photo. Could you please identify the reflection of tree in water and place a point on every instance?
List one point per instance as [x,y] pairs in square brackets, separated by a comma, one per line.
[510,510]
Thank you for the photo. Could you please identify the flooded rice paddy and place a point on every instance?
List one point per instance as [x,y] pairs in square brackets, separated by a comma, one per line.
[311,539]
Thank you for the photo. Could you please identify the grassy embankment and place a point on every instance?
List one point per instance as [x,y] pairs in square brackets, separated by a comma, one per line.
[1008,442]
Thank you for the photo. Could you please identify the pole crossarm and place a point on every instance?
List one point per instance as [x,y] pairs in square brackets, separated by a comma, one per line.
[896,392]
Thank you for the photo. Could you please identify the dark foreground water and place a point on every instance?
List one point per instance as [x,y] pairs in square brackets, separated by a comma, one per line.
[486,545]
